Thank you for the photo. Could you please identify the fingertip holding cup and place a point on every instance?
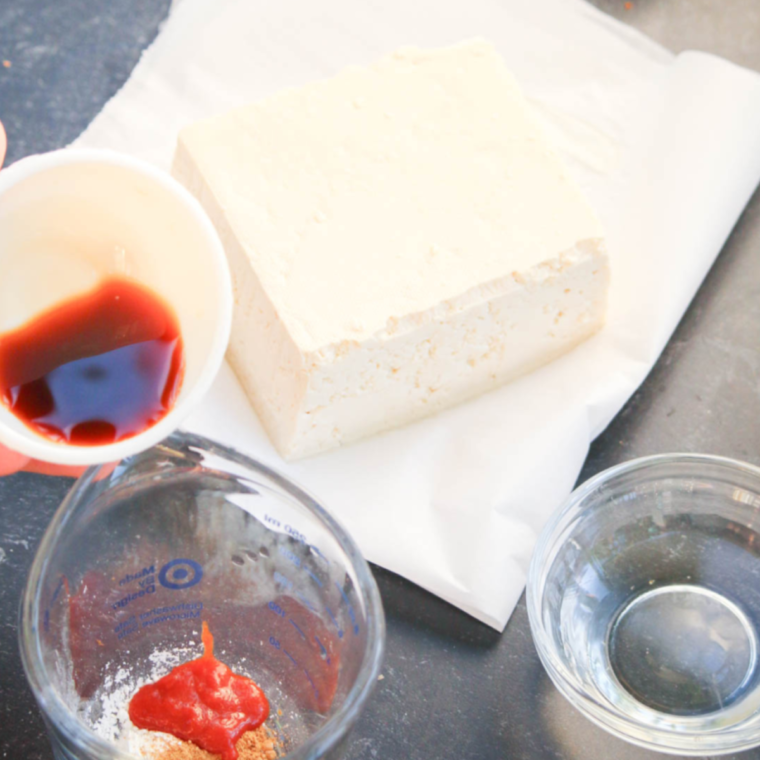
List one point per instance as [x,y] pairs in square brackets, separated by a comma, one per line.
[11,461]
[72,218]
[3,143]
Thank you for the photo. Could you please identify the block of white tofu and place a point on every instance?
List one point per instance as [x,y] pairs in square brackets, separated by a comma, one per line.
[401,237]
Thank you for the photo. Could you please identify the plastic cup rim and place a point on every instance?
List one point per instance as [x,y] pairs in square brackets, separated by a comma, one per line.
[36,446]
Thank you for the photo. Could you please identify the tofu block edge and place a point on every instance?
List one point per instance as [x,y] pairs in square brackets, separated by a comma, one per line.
[317,391]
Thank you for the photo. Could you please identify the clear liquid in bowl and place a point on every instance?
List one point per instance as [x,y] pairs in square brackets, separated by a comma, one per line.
[661,617]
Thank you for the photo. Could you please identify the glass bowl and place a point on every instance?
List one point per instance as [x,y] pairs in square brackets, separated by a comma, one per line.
[644,602]
[137,557]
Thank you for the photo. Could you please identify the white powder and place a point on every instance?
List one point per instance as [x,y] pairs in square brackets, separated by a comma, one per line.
[106,713]
[148,744]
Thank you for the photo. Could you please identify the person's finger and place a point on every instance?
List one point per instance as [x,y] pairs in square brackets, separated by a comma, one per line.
[106,470]
[68,471]
[46,468]
[3,143]
[11,461]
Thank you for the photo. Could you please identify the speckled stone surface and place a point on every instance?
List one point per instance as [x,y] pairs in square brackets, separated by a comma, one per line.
[728,28]
[451,688]
[67,58]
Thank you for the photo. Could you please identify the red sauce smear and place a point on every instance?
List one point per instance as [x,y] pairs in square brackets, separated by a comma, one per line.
[203,702]
[95,369]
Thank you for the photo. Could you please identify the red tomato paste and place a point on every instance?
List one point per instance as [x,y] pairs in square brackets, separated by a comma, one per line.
[202,701]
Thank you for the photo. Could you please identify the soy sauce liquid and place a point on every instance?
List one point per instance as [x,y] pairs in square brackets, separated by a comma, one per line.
[96,369]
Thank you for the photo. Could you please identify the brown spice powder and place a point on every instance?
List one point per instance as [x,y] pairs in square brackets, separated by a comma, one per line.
[252,745]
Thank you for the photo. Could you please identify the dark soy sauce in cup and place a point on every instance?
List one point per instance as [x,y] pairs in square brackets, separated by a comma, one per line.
[95,369]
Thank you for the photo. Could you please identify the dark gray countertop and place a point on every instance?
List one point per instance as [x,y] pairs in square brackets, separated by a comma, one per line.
[451,688]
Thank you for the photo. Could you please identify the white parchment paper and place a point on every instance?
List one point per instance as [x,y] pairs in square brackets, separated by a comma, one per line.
[667,149]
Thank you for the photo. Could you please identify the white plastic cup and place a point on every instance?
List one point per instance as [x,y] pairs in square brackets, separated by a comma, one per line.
[71,218]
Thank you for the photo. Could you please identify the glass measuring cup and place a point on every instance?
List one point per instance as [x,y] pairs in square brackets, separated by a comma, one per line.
[134,561]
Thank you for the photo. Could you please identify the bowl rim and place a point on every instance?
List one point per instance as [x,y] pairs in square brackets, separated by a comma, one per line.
[36,446]
[58,715]
[602,714]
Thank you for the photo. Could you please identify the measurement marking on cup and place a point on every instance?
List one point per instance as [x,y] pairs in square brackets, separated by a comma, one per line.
[58,589]
[318,553]
[63,583]
[276,644]
[293,623]
[325,656]
[334,619]
[351,612]
[296,534]
[296,560]
[283,579]
[276,609]
[314,577]
[316,691]
[306,603]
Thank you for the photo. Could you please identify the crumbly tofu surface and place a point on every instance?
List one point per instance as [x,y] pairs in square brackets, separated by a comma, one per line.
[402,238]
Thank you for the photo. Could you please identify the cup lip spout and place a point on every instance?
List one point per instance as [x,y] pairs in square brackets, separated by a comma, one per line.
[36,446]
[63,722]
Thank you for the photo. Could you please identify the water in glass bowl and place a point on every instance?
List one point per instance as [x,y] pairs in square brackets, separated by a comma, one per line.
[677,628]
[646,603]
